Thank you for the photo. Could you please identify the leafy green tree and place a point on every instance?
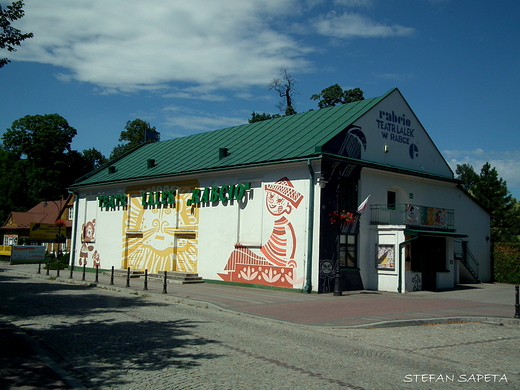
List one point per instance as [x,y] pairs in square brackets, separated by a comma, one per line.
[43,142]
[468,176]
[11,37]
[92,159]
[491,192]
[13,188]
[136,132]
[333,95]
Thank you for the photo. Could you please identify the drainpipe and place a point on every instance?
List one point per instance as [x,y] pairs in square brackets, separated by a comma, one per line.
[400,266]
[310,230]
[74,231]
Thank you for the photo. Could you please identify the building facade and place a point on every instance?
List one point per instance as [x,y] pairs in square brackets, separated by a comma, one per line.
[349,197]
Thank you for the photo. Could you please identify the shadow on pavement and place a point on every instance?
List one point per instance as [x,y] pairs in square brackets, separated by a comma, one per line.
[94,345]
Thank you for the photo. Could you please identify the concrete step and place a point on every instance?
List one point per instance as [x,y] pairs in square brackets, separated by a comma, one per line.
[123,273]
[175,277]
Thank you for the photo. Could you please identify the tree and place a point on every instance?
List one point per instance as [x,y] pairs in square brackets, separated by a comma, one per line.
[285,88]
[467,175]
[92,159]
[11,37]
[333,95]
[255,117]
[41,145]
[136,132]
[491,192]
[13,188]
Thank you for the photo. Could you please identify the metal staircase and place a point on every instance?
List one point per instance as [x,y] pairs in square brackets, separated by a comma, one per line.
[465,258]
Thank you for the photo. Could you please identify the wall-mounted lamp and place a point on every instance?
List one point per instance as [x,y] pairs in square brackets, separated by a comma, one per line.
[386,148]
[322,182]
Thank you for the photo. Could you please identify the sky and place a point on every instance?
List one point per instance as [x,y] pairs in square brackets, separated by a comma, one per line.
[193,66]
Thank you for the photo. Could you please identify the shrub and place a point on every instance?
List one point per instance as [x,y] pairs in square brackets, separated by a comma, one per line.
[53,262]
[507,262]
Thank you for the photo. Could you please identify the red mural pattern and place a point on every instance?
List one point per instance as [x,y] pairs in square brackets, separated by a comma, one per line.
[275,264]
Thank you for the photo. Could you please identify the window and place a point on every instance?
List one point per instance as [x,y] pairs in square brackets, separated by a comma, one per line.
[391,200]
[347,251]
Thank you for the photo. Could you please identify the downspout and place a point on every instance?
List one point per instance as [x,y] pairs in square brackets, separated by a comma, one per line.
[74,232]
[400,266]
[310,230]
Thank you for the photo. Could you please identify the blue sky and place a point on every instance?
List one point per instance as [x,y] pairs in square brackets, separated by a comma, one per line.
[199,65]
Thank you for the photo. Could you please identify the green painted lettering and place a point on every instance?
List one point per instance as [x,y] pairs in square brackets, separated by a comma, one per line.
[195,197]
[222,193]
[171,197]
[240,191]
[122,200]
[205,195]
[214,194]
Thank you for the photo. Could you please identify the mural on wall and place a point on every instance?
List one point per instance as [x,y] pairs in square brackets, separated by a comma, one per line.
[426,216]
[350,143]
[274,262]
[160,230]
[88,239]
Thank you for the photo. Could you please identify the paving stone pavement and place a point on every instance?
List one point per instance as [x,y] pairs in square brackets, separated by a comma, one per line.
[126,338]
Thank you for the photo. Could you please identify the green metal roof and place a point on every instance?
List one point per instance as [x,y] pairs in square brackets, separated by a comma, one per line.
[275,140]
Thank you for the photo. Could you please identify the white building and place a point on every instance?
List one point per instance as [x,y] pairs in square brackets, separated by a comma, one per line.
[253,204]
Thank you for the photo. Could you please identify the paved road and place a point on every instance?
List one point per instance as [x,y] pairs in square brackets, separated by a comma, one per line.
[107,339]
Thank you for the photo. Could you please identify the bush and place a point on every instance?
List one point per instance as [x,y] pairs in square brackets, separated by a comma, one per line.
[507,262]
[53,262]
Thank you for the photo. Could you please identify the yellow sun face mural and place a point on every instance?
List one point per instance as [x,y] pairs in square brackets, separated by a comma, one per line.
[159,229]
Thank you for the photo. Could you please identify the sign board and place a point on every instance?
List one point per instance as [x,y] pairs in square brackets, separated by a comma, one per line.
[23,254]
[46,231]
[5,250]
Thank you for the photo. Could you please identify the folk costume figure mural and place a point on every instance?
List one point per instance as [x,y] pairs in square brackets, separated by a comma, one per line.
[88,239]
[274,262]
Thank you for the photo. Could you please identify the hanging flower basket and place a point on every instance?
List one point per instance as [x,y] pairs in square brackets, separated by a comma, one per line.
[343,218]
[59,223]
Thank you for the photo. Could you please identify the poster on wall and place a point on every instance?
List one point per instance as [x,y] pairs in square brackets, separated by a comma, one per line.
[385,257]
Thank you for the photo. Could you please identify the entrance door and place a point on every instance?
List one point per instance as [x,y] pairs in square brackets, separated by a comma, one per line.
[429,255]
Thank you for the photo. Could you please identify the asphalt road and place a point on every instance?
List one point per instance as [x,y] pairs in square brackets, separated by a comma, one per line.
[103,339]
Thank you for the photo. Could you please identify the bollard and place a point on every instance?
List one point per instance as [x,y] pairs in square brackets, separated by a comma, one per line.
[145,279]
[165,281]
[128,278]
[112,277]
[39,268]
[58,270]
[48,268]
[84,270]
[517,304]
[97,273]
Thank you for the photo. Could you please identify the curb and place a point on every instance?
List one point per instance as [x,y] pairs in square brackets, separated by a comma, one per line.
[41,355]
[497,321]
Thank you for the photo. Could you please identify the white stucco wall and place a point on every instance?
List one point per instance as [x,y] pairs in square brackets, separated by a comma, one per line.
[215,228]
[470,219]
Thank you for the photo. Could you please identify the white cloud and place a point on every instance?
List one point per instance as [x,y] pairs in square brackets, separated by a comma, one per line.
[130,45]
[353,25]
[506,163]
[355,3]
[179,117]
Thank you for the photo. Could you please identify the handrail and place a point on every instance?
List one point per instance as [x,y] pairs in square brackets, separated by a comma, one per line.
[412,215]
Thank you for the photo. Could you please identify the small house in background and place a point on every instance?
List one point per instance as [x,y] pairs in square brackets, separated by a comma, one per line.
[350,197]
[49,223]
